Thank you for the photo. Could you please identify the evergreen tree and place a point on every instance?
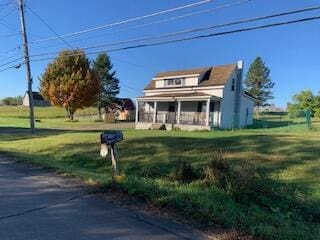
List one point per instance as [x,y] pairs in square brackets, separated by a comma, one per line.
[109,83]
[258,82]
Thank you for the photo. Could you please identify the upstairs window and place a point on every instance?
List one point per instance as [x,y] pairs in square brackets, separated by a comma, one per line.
[174,82]
[233,85]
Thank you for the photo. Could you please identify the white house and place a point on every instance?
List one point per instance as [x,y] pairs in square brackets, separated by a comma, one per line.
[38,100]
[196,99]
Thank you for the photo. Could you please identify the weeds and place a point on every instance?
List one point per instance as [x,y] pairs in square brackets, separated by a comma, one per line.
[185,173]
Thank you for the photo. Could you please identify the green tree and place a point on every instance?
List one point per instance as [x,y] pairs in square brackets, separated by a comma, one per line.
[69,82]
[12,101]
[258,82]
[109,83]
[303,101]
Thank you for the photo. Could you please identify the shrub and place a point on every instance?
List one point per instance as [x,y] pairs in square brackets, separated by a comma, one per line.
[185,173]
[162,127]
[217,172]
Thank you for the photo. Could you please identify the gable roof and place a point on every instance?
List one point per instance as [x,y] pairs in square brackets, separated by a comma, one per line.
[213,76]
[182,72]
[36,96]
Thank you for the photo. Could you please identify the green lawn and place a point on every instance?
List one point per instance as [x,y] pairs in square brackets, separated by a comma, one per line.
[284,202]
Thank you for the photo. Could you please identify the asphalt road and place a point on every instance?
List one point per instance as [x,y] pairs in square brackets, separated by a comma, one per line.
[35,204]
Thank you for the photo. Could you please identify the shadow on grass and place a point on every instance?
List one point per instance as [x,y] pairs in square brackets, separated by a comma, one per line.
[20,133]
[289,201]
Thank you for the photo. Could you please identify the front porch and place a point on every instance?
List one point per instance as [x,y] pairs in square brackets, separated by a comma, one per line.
[185,112]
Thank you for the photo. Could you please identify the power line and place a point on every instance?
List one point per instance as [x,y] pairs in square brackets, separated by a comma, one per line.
[12,61]
[193,30]
[5,69]
[48,26]
[182,39]
[125,21]
[155,22]
[192,38]
[7,15]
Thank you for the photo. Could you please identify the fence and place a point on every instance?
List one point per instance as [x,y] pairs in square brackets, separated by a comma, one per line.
[280,119]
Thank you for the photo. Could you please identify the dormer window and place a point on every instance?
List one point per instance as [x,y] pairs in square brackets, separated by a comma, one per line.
[173,82]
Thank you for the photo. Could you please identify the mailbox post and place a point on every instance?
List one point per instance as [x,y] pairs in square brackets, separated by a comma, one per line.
[108,140]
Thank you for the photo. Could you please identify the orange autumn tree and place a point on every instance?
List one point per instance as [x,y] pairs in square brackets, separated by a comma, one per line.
[69,82]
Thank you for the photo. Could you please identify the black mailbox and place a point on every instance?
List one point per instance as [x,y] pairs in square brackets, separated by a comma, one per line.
[111,137]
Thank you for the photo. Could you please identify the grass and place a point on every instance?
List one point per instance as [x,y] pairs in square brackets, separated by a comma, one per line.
[287,202]
[42,112]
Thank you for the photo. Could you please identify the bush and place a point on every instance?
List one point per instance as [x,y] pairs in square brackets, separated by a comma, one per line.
[12,101]
[244,182]
[163,127]
[217,171]
[185,173]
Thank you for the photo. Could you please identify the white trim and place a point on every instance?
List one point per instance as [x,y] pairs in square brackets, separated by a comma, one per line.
[179,112]
[207,112]
[195,88]
[172,99]
[155,112]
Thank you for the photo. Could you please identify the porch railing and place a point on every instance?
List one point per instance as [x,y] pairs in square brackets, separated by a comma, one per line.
[192,118]
[145,117]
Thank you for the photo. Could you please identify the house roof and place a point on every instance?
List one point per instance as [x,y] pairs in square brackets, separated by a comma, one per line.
[213,76]
[37,96]
[121,103]
[126,103]
[182,72]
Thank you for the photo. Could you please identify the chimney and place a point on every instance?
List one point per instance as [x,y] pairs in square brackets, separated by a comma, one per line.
[240,64]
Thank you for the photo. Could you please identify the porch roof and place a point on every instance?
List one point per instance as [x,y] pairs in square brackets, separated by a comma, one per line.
[179,96]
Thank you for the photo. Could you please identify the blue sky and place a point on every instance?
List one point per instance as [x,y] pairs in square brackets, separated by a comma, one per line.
[291,52]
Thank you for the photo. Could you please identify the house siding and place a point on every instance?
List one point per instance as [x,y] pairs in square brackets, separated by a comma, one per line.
[246,117]
[227,104]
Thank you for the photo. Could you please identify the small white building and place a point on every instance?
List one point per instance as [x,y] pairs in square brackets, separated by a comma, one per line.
[196,99]
[38,100]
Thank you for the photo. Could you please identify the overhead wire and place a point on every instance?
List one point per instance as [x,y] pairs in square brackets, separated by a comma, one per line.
[193,30]
[125,21]
[194,37]
[181,32]
[154,22]
[48,26]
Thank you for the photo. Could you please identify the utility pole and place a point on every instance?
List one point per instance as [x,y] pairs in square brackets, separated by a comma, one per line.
[27,63]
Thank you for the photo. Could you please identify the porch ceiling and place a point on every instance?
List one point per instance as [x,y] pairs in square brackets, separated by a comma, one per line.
[179,96]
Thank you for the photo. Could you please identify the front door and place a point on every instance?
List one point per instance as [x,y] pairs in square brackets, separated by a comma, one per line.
[171,112]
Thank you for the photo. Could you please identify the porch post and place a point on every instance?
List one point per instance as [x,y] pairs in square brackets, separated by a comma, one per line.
[208,112]
[137,111]
[179,112]
[154,112]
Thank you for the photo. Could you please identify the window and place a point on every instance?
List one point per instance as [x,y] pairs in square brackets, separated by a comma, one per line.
[177,81]
[174,82]
[170,82]
[233,84]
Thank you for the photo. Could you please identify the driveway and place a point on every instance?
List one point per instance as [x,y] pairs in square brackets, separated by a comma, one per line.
[35,204]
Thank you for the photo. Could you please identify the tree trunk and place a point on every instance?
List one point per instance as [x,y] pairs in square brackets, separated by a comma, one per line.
[99,111]
[70,113]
